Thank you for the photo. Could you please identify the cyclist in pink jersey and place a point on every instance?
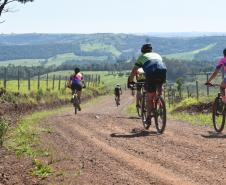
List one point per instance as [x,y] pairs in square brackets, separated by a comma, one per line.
[76,82]
[221,63]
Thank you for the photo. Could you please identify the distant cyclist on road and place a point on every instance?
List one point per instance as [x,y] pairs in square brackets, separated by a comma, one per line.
[155,74]
[221,63]
[118,92]
[76,82]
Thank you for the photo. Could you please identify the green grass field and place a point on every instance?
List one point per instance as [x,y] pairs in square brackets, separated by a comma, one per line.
[22,62]
[60,59]
[107,79]
[56,60]
[100,47]
[189,55]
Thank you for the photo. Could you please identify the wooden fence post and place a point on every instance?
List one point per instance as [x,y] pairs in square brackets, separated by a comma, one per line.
[29,81]
[207,77]
[99,79]
[38,80]
[65,85]
[92,79]
[53,82]
[5,77]
[18,78]
[169,97]
[188,92]
[59,83]
[197,89]
[47,81]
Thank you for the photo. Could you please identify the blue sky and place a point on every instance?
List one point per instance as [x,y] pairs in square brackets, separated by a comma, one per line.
[118,16]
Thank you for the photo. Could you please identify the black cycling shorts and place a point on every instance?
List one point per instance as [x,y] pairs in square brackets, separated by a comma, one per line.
[153,83]
[76,86]
[139,86]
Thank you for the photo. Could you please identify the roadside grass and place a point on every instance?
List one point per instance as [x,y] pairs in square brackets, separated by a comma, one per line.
[131,109]
[195,118]
[40,169]
[3,130]
[24,139]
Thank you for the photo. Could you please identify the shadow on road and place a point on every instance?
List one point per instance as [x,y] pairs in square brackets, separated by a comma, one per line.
[214,135]
[130,117]
[135,133]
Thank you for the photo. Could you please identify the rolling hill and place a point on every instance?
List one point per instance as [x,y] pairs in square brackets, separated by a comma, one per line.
[58,49]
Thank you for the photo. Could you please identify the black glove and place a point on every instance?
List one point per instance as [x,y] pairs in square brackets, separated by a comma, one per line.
[208,84]
[130,85]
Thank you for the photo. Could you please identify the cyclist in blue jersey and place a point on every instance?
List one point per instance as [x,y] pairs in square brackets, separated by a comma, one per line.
[155,74]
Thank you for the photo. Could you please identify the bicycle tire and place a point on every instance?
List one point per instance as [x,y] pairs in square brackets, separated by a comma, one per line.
[160,115]
[218,115]
[76,102]
[139,110]
[117,101]
[144,113]
[138,107]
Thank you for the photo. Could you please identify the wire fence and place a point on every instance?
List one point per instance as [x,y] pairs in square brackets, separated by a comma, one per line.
[26,83]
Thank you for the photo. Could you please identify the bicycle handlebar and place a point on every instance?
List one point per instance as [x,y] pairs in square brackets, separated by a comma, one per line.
[212,85]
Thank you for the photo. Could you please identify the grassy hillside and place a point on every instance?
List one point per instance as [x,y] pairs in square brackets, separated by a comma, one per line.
[189,55]
[56,60]
[106,47]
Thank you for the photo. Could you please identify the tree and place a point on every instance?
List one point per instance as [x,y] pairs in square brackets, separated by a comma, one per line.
[4,4]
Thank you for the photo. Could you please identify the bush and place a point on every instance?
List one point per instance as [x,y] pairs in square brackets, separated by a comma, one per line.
[39,95]
[3,129]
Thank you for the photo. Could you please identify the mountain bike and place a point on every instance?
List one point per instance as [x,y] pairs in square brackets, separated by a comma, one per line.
[158,113]
[218,110]
[76,102]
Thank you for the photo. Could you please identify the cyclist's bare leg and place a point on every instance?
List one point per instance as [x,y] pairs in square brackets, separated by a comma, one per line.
[79,93]
[150,102]
[159,89]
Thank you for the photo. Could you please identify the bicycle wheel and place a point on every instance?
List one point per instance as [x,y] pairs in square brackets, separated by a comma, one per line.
[138,107]
[76,103]
[117,101]
[160,115]
[218,115]
[144,113]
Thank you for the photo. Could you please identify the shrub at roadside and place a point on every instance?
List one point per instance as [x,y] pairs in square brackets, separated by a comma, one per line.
[3,129]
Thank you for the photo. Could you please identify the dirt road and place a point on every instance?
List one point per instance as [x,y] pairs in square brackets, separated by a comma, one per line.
[103,145]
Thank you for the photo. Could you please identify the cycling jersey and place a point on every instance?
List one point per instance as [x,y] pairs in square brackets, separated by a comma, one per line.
[220,63]
[151,63]
[76,82]
[117,91]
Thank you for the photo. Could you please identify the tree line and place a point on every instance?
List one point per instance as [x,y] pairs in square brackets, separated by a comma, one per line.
[175,68]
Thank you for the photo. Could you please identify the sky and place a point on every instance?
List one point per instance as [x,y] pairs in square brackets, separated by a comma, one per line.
[116,16]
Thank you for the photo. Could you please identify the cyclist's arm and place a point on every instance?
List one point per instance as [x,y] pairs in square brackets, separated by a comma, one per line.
[213,75]
[133,73]
[69,82]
